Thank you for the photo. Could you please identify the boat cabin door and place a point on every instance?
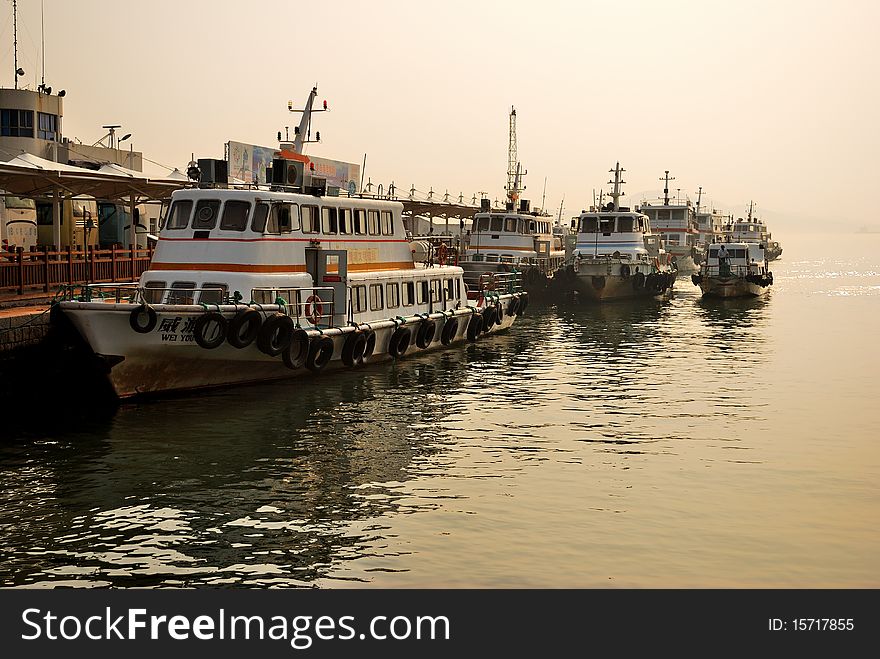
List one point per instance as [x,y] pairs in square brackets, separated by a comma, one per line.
[329,270]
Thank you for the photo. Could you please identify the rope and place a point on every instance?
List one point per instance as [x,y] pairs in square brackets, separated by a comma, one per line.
[25,324]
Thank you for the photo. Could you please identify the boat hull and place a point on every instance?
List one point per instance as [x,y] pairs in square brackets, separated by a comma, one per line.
[597,284]
[168,359]
[726,287]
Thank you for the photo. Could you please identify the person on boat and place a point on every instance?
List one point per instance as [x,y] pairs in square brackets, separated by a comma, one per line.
[723,266]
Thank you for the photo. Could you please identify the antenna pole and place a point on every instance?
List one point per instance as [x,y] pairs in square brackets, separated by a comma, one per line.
[667,179]
[43,45]
[699,197]
[544,194]
[363,169]
[15,38]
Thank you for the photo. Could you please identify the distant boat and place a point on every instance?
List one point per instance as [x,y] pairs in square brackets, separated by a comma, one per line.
[753,230]
[675,221]
[734,270]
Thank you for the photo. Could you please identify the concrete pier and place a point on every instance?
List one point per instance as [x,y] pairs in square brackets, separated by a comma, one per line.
[22,327]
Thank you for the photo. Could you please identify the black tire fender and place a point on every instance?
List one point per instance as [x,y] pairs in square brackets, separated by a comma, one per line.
[203,323]
[475,327]
[353,348]
[297,351]
[450,329]
[135,315]
[425,333]
[249,320]
[399,342]
[320,353]
[275,334]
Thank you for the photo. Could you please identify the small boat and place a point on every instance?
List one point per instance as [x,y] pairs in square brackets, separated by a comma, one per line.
[256,283]
[617,256]
[734,270]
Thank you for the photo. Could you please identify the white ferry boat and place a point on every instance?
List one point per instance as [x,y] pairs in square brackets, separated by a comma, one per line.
[617,256]
[675,221]
[753,230]
[734,270]
[514,239]
[255,284]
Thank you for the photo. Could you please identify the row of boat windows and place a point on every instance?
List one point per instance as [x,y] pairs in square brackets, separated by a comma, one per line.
[666,214]
[511,225]
[502,258]
[277,218]
[736,253]
[390,295]
[624,224]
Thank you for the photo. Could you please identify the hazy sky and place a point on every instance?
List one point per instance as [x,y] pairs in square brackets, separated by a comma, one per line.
[776,101]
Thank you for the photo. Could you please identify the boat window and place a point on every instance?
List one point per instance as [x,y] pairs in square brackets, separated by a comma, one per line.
[738,253]
[436,290]
[153,291]
[261,214]
[376,303]
[507,258]
[328,220]
[360,221]
[284,218]
[181,292]
[522,227]
[387,223]
[458,289]
[206,214]
[532,227]
[450,289]
[344,220]
[235,215]
[606,224]
[392,295]
[178,216]
[373,222]
[483,224]
[493,258]
[213,294]
[589,224]
[496,224]
[510,224]
[625,224]
[662,215]
[358,299]
[409,293]
[310,221]
[423,292]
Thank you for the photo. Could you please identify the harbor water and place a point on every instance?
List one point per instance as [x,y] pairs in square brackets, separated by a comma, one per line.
[687,443]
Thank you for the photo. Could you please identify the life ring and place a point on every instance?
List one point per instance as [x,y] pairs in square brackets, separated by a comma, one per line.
[441,254]
[425,333]
[370,345]
[297,351]
[353,348]
[320,352]
[488,318]
[137,325]
[450,329]
[243,328]
[314,309]
[275,334]
[201,329]
[499,313]
[399,342]
[474,327]
[624,270]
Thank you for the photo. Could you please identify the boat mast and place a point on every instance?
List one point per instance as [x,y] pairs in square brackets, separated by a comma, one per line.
[304,131]
[751,206]
[616,193]
[667,179]
[514,169]
[699,196]
[15,40]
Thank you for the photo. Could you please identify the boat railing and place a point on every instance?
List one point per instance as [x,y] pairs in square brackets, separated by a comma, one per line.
[315,304]
[134,293]
[731,270]
[500,282]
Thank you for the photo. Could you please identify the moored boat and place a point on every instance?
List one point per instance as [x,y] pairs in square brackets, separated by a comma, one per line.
[752,229]
[616,255]
[734,270]
[260,283]
[675,221]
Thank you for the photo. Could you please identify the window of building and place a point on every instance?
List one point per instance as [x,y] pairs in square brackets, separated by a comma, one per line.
[47,126]
[213,293]
[181,292]
[358,299]
[373,222]
[206,214]
[387,223]
[328,220]
[409,293]
[376,302]
[17,123]
[392,295]
[310,221]
[261,214]
[178,216]
[345,220]
[235,215]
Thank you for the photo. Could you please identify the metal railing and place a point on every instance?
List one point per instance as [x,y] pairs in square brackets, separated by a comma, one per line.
[731,270]
[313,303]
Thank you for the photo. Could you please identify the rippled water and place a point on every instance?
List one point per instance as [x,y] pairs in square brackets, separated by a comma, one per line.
[688,443]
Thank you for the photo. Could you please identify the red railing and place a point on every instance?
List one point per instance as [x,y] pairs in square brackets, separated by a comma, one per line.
[22,271]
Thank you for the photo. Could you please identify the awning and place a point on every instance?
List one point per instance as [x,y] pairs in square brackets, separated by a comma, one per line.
[28,175]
